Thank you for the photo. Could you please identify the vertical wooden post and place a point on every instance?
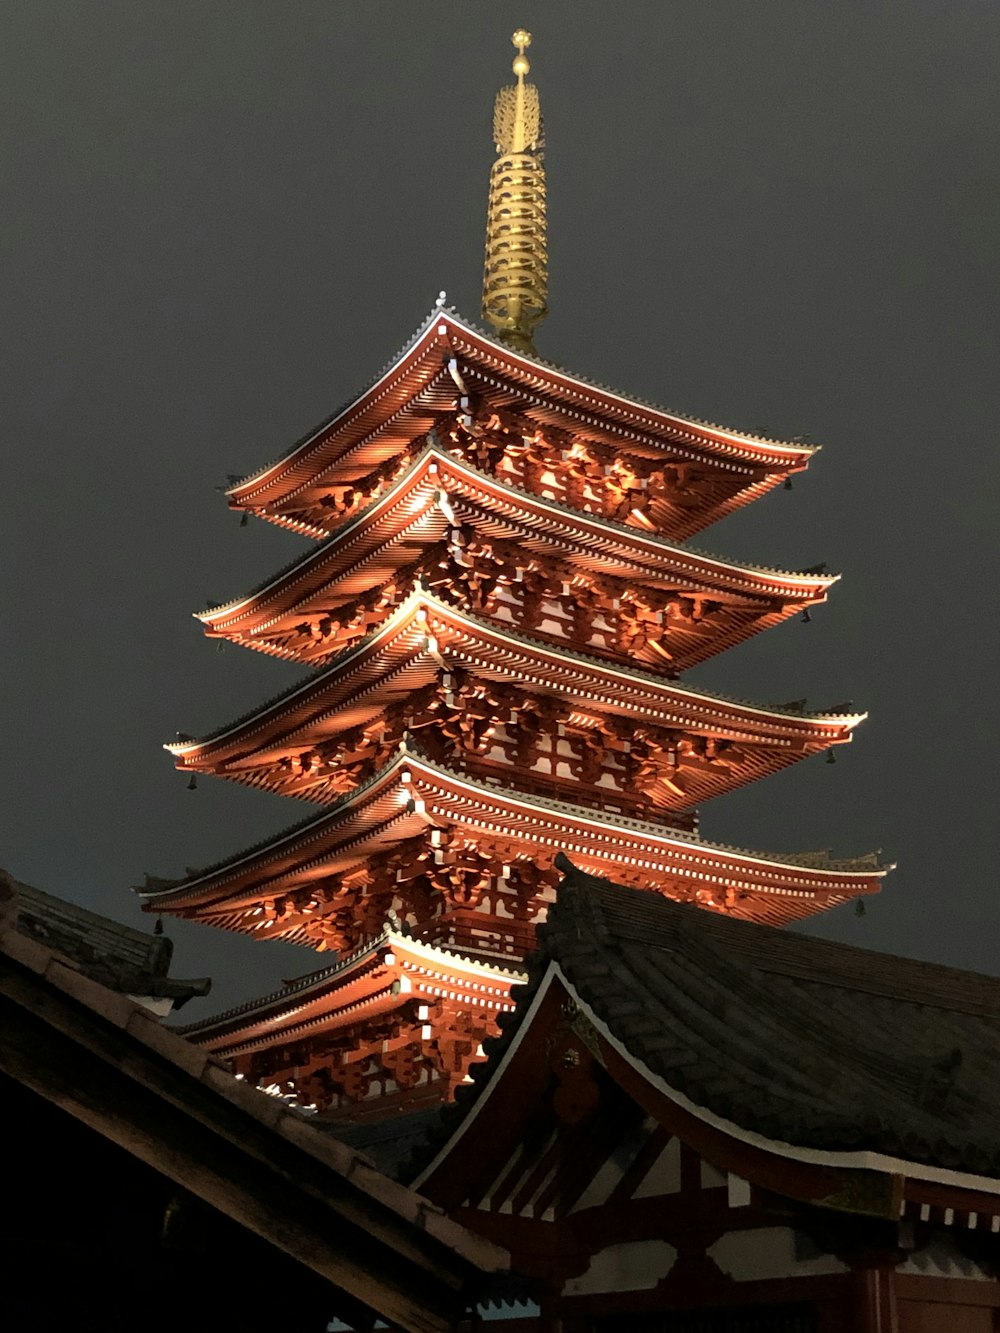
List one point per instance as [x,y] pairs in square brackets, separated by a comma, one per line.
[876,1298]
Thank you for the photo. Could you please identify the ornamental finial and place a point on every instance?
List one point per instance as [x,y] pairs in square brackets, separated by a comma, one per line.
[515,276]
[522,40]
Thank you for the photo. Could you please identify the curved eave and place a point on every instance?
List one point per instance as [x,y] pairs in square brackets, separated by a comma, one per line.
[550,522]
[334,998]
[774,1157]
[411,793]
[360,670]
[444,334]
[579,396]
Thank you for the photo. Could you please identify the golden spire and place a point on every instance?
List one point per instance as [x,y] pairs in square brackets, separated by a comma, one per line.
[515,275]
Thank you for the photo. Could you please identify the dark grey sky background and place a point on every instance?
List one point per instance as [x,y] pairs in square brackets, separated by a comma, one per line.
[221,219]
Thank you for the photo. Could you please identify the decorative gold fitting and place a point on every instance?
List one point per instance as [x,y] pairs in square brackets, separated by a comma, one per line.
[515,275]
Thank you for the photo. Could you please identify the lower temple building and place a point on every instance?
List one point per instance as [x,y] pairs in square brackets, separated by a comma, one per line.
[174,1177]
[704,1124]
[687,1122]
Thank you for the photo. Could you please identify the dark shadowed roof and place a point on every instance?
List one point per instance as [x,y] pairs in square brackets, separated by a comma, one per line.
[806,1042]
[125,960]
[819,1044]
[390,1143]
[106,1061]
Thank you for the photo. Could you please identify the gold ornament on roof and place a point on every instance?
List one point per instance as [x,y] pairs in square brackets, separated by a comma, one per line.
[515,275]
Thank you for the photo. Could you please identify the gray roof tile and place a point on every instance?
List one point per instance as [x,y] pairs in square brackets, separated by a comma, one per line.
[837,1046]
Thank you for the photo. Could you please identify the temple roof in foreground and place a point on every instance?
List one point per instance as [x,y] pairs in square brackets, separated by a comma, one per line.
[136,1084]
[117,956]
[449,358]
[789,1043]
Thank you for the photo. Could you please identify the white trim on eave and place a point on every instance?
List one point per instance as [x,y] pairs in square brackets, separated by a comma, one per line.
[863,1160]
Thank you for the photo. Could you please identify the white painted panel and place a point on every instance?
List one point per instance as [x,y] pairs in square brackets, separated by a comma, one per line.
[768,1252]
[508,1310]
[600,1187]
[711,1176]
[664,1176]
[634,1266]
[739,1191]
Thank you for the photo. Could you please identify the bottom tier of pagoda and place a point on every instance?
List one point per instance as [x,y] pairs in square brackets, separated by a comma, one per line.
[394,1026]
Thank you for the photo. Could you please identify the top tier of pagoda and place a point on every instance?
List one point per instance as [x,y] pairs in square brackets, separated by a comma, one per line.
[497,611]
[527,424]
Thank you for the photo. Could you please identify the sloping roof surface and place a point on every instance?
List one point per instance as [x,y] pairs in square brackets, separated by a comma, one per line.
[503,356]
[804,1041]
[411,1253]
[120,957]
[818,1044]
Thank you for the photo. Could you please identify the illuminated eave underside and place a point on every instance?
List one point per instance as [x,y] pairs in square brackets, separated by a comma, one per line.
[380,976]
[399,659]
[420,384]
[411,794]
[392,532]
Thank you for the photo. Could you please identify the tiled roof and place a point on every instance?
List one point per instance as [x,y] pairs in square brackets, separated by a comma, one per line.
[613,527]
[355,651]
[157,890]
[125,960]
[819,1044]
[412,1232]
[471,327]
[280,1000]
[390,1142]
[806,1042]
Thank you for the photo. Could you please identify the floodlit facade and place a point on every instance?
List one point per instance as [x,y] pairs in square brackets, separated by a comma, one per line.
[497,609]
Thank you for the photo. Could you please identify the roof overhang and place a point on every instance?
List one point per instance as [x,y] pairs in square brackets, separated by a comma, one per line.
[411,794]
[425,635]
[382,975]
[447,347]
[438,491]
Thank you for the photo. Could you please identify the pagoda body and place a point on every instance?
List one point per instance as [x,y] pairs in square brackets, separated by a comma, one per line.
[496,613]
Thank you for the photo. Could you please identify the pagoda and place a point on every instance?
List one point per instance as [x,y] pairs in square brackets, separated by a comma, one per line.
[497,611]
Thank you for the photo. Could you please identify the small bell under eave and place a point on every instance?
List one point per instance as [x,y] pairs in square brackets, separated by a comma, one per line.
[193,782]
[806,617]
[831,758]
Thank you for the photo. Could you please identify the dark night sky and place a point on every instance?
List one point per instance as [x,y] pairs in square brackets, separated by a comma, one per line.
[221,219]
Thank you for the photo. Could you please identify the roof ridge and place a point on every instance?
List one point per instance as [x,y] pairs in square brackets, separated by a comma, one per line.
[685,417]
[408,751]
[327,812]
[644,826]
[297,987]
[389,936]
